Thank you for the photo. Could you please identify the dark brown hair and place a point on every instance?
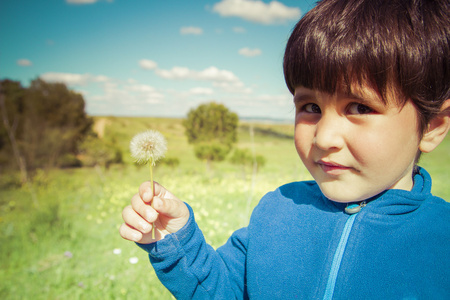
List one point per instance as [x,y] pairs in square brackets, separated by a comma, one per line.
[388,44]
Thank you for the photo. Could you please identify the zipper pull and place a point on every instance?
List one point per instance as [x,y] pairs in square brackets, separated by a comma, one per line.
[354,208]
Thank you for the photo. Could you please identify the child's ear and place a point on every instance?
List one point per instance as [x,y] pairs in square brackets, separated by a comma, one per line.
[437,129]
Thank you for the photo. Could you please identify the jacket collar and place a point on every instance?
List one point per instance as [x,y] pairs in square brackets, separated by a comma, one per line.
[397,202]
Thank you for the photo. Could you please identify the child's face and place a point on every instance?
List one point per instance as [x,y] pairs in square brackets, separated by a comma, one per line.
[355,146]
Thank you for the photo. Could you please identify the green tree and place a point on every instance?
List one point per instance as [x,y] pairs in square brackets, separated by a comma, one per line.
[11,107]
[212,129]
[48,120]
[56,122]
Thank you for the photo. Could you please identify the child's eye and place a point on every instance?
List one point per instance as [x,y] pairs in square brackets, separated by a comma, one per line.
[359,109]
[311,108]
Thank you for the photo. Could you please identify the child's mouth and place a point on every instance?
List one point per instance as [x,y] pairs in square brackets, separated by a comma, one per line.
[332,167]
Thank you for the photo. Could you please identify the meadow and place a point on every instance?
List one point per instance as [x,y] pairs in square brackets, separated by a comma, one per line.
[64,244]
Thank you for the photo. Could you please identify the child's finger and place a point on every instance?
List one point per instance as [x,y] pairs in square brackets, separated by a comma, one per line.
[143,209]
[134,235]
[134,220]
[145,191]
[130,233]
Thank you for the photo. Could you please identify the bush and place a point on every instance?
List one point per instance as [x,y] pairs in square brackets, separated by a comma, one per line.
[212,129]
[244,158]
[95,151]
[211,151]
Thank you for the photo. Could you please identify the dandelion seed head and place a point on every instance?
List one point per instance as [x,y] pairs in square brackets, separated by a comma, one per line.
[148,146]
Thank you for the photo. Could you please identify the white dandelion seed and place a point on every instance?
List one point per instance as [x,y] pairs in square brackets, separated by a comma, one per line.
[148,146]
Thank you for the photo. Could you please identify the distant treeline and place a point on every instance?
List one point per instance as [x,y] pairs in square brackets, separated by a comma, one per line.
[268,132]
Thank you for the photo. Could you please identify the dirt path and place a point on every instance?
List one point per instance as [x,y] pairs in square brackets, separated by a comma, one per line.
[99,127]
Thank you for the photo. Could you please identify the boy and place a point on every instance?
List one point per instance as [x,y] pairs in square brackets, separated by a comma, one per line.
[371,86]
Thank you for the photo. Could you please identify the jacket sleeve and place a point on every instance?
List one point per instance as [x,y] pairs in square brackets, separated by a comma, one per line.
[191,269]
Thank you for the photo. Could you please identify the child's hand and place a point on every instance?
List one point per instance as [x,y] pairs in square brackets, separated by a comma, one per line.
[167,213]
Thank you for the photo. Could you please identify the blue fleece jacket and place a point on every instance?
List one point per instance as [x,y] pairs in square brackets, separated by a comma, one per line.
[300,245]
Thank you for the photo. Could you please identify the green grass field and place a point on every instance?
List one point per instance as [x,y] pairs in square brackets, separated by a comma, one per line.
[68,247]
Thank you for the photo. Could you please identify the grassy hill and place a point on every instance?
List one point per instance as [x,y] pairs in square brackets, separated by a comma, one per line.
[68,246]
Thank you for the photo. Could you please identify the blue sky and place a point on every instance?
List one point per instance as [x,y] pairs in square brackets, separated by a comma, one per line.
[154,58]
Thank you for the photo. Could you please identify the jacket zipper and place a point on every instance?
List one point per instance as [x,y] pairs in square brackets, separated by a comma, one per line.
[335,265]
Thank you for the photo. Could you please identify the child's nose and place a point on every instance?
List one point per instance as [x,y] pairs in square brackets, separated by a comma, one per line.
[329,133]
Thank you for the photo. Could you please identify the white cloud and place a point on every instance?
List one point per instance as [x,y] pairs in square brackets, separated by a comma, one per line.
[147,64]
[239,29]
[141,92]
[214,74]
[225,80]
[73,79]
[105,95]
[209,74]
[233,87]
[67,78]
[143,88]
[250,52]
[124,98]
[257,11]
[201,91]
[191,30]
[24,62]
[111,96]
[100,78]
[175,73]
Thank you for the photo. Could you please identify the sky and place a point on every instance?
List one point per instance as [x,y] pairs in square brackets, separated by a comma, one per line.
[154,58]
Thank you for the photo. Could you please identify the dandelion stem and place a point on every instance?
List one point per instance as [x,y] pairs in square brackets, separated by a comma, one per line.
[150,163]
[151,177]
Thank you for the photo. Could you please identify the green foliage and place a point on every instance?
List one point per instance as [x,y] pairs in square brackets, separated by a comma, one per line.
[243,157]
[211,151]
[48,121]
[94,151]
[260,161]
[212,128]
[211,122]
